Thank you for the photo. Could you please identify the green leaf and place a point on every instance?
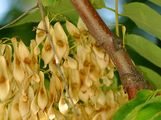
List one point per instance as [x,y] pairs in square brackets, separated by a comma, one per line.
[145,17]
[62,9]
[145,48]
[151,76]
[126,109]
[157,2]
[146,106]
[98,4]
[149,110]
[31,17]
[146,110]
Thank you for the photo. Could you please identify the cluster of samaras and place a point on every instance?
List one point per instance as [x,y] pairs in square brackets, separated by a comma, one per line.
[74,91]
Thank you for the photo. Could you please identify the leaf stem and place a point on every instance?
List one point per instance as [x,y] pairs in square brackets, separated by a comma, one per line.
[116,18]
[19,18]
[108,8]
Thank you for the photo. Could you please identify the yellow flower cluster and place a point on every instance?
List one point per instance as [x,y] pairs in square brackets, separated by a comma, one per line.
[84,66]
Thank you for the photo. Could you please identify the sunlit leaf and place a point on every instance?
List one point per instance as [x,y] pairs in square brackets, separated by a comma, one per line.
[145,17]
[145,48]
[151,76]
[157,2]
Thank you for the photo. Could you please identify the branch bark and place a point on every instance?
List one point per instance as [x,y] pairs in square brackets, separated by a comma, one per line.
[131,79]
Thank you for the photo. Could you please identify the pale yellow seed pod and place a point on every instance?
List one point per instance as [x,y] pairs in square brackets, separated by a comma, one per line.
[56,88]
[4,80]
[63,106]
[101,99]
[72,63]
[59,115]
[89,109]
[18,66]
[111,74]
[42,98]
[36,50]
[101,116]
[81,26]
[73,30]
[95,71]
[110,100]
[34,106]
[52,66]
[35,77]
[40,32]
[42,115]
[83,56]
[8,54]
[98,52]
[2,111]
[60,41]
[47,52]
[74,84]
[101,58]
[84,94]
[14,113]
[42,94]
[31,93]
[50,113]
[33,117]
[2,48]
[8,57]
[24,104]
[23,51]
[53,92]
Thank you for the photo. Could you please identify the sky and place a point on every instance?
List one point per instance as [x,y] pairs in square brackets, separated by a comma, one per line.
[4,7]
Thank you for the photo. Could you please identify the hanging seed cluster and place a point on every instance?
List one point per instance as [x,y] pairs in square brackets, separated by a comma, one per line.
[84,66]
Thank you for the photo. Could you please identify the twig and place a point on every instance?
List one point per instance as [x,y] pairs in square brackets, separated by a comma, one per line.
[19,18]
[131,79]
[55,54]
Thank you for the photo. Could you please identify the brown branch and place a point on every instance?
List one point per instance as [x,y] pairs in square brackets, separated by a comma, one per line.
[131,79]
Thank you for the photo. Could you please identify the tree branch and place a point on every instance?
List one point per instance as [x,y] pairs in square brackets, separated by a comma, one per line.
[131,79]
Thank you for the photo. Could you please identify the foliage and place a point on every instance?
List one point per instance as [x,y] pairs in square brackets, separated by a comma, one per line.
[140,14]
[147,103]
[145,106]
